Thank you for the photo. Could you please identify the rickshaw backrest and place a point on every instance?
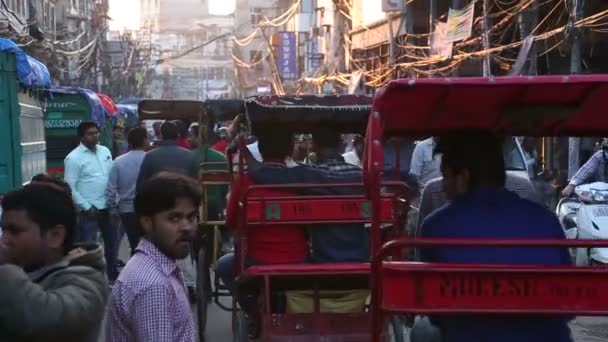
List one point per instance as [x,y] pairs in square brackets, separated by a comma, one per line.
[442,288]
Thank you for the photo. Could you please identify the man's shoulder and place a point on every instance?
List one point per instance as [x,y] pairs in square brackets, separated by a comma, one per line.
[74,154]
[136,279]
[103,149]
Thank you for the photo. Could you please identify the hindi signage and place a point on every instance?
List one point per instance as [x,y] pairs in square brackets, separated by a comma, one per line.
[287,56]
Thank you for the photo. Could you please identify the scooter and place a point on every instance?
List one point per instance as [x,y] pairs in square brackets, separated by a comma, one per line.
[585,216]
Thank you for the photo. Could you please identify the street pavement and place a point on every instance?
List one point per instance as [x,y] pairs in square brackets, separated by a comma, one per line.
[219,326]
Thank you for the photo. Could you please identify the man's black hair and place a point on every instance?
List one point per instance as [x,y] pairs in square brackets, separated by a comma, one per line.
[182,128]
[478,151]
[46,204]
[48,179]
[136,137]
[169,131]
[85,126]
[160,193]
[274,143]
[324,137]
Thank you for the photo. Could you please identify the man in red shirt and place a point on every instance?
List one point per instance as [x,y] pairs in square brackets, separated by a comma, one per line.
[222,144]
[272,244]
[183,136]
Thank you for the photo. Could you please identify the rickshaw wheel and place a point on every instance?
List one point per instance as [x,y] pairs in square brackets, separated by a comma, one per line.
[240,330]
[396,329]
[202,273]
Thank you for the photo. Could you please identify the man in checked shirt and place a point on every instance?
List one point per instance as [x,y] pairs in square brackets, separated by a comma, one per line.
[149,301]
[596,169]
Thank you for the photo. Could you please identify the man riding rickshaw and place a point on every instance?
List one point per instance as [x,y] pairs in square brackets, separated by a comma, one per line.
[495,267]
[320,293]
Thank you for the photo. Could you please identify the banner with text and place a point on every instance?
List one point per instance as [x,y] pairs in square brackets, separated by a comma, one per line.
[287,56]
[460,23]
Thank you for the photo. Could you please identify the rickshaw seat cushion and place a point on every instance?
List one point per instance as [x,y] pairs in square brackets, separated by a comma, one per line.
[312,269]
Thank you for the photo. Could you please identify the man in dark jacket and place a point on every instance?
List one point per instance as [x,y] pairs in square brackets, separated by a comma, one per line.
[168,156]
[51,290]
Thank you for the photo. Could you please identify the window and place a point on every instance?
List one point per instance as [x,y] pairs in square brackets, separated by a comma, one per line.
[256,15]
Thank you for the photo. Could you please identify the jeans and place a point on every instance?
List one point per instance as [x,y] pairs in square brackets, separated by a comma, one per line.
[100,221]
[225,269]
[130,223]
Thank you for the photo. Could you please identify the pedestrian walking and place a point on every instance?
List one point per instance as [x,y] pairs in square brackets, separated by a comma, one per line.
[149,300]
[87,171]
[121,185]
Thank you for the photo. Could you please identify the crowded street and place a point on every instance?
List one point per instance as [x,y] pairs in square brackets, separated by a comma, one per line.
[303,170]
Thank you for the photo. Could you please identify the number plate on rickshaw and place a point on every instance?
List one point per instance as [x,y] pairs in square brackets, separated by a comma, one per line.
[315,210]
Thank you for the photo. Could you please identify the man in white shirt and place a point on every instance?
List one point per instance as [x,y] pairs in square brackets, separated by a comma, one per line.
[425,166]
[87,171]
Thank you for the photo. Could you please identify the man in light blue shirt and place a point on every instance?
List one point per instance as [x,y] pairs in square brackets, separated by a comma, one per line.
[87,170]
[121,186]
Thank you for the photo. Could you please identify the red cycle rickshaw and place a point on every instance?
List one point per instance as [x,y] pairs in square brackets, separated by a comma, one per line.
[343,114]
[519,106]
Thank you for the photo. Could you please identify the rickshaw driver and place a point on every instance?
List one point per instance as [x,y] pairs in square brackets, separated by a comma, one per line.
[481,207]
[596,168]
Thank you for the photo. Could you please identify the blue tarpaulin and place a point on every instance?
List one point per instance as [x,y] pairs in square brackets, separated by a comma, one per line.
[98,113]
[130,113]
[31,72]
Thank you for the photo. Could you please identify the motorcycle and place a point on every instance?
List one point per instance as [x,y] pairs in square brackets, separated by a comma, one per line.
[585,216]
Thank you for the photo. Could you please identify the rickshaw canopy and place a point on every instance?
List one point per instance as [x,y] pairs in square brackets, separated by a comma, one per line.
[223,110]
[170,110]
[346,113]
[518,106]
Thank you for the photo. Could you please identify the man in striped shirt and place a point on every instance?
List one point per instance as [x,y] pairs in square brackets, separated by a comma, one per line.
[149,300]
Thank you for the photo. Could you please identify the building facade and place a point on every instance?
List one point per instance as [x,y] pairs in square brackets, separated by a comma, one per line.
[195,48]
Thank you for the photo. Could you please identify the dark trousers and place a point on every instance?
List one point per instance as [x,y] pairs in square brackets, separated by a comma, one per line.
[100,222]
[130,223]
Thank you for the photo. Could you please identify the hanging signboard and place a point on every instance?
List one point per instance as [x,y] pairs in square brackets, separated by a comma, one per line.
[460,23]
[439,46]
[287,60]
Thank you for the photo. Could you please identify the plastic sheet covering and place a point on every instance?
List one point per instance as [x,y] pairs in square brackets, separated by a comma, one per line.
[31,72]
[98,112]
[108,104]
[130,114]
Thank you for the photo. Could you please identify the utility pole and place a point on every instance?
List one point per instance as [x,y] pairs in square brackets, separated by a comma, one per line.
[487,71]
[456,5]
[432,18]
[574,144]
[528,19]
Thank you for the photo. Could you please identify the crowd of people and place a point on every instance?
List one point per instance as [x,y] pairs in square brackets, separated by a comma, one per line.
[58,282]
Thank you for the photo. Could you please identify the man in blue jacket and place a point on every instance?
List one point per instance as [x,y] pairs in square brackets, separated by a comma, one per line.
[481,207]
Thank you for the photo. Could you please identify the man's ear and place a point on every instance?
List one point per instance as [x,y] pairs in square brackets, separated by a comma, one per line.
[55,236]
[146,224]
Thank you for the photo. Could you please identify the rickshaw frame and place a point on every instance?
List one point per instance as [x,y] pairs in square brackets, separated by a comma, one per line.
[522,106]
[210,174]
[301,115]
